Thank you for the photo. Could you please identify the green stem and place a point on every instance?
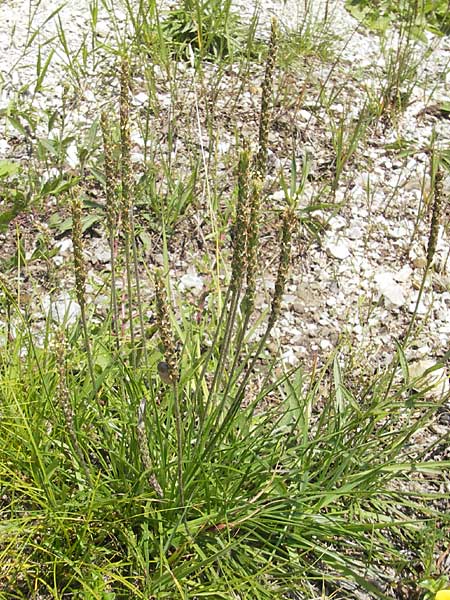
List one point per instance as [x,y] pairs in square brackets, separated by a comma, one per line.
[179,430]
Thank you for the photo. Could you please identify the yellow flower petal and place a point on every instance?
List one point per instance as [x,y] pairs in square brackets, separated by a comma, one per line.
[443,595]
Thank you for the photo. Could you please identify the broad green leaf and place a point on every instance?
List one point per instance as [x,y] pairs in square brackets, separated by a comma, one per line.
[8,168]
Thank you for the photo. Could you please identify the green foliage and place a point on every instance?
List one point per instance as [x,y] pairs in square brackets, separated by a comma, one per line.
[13,195]
[277,498]
[207,28]
[378,15]
[49,158]
[432,586]
[167,207]
[403,52]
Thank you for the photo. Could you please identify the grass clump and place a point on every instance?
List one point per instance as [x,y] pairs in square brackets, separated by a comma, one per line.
[401,26]
[305,495]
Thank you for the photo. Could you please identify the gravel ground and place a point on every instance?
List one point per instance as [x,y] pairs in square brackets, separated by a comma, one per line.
[356,286]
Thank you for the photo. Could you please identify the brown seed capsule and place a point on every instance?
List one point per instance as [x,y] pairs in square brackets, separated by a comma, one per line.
[164,372]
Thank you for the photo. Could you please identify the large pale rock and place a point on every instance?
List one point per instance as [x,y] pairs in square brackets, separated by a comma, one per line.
[389,288]
[435,383]
[192,282]
[337,250]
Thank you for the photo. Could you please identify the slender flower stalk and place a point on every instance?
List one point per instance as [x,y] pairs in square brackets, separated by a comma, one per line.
[436,176]
[266,102]
[252,248]
[165,329]
[112,214]
[62,394]
[127,192]
[287,228]
[170,373]
[436,209]
[244,263]
[238,268]
[238,262]
[260,170]
[144,452]
[436,212]
[125,144]
[80,277]
[247,218]
[5,287]
[245,256]
[131,254]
